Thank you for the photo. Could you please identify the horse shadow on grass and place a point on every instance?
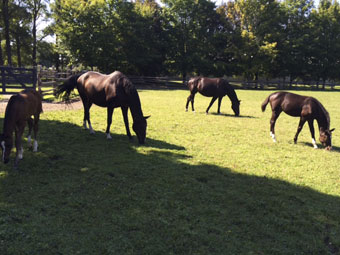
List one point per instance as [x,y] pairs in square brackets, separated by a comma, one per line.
[233,115]
[84,194]
[320,147]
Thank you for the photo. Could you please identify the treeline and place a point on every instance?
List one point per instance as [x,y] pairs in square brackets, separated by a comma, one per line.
[288,39]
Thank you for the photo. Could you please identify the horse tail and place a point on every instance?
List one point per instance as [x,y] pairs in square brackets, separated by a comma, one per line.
[64,90]
[264,104]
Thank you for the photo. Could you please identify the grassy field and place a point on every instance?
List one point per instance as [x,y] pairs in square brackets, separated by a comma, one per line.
[202,184]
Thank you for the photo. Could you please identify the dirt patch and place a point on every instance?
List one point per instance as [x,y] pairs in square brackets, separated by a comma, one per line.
[49,106]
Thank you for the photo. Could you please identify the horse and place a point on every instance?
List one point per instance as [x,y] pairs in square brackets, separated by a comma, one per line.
[19,111]
[110,91]
[307,108]
[215,88]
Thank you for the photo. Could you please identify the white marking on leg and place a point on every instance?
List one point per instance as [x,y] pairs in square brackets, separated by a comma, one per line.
[314,143]
[273,136]
[108,136]
[29,141]
[35,146]
[91,129]
[21,153]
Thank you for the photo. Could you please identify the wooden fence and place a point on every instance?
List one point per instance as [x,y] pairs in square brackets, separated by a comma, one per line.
[14,78]
[47,79]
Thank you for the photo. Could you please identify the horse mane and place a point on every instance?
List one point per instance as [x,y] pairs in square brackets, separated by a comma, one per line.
[9,108]
[324,111]
[230,91]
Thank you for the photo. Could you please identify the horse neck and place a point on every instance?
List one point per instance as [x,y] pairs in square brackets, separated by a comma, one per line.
[135,107]
[322,118]
[231,94]
[323,121]
[9,126]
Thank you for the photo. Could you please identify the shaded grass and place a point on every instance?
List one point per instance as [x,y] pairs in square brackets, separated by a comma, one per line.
[203,184]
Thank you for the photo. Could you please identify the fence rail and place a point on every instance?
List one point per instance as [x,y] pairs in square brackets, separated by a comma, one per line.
[17,78]
[46,80]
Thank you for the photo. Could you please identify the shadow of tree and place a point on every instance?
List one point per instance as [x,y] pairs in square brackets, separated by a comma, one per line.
[84,194]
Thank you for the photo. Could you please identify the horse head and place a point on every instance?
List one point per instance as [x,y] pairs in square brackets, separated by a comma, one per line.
[235,105]
[140,129]
[326,138]
[6,147]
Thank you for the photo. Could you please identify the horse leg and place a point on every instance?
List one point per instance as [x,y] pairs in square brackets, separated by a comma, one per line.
[87,105]
[219,105]
[301,123]
[126,121]
[30,125]
[35,130]
[19,130]
[311,128]
[275,115]
[211,103]
[109,121]
[190,99]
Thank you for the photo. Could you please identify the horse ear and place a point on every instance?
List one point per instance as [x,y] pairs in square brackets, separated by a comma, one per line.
[146,117]
[239,101]
[332,130]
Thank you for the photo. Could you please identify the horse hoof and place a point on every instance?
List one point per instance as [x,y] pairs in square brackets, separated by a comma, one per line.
[108,136]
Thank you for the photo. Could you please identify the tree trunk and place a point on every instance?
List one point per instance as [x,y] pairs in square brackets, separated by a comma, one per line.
[18,41]
[34,33]
[6,23]
[1,58]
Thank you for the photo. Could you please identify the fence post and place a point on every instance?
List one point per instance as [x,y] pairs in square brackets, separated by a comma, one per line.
[3,80]
[39,70]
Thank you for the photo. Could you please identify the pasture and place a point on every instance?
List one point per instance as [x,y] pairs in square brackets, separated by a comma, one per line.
[202,184]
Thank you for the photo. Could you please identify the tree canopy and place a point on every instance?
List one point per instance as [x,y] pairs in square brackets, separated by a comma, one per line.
[291,39]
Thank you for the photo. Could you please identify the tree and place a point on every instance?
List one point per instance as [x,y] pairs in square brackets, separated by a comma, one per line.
[193,24]
[296,37]
[5,15]
[20,31]
[259,22]
[36,8]
[325,22]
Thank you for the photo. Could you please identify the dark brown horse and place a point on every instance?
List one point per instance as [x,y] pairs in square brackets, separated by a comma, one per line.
[307,108]
[215,88]
[19,110]
[111,91]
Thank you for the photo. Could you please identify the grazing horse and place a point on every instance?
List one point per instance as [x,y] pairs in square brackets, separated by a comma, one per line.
[111,91]
[215,88]
[19,110]
[307,108]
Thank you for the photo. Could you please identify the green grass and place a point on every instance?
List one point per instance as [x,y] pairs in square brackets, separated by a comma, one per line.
[202,184]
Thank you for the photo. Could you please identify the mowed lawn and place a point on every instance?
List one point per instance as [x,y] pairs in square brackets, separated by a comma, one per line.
[202,184]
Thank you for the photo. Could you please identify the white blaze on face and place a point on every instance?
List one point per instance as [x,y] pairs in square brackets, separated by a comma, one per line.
[3,150]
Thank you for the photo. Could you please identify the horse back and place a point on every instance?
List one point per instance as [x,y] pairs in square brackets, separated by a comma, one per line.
[212,87]
[292,104]
[23,105]
[104,90]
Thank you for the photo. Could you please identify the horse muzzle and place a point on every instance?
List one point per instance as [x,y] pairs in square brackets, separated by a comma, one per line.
[328,148]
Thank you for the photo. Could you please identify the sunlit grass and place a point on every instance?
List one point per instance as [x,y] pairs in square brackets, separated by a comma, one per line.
[202,184]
